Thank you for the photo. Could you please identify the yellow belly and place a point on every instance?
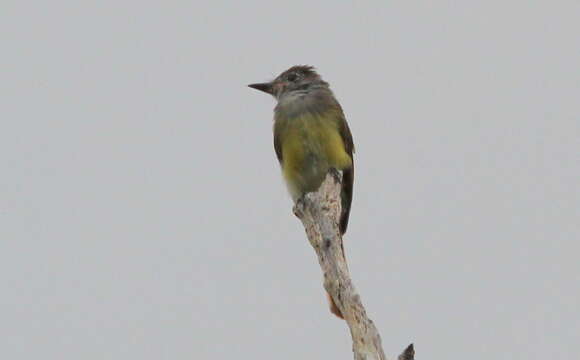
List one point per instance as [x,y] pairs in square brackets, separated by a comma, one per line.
[311,144]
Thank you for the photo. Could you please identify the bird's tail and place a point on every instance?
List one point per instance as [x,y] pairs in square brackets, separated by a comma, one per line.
[333,308]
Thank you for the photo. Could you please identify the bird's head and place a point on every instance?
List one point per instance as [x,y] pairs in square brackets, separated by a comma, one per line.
[297,78]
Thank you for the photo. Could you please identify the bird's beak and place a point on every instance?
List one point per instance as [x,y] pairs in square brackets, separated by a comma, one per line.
[265,87]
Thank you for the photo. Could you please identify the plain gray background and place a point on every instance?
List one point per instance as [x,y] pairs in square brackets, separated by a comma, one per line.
[143,216]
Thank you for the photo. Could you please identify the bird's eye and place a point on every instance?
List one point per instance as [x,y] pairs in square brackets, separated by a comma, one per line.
[292,77]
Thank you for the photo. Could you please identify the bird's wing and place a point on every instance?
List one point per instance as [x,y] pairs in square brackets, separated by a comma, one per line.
[277,145]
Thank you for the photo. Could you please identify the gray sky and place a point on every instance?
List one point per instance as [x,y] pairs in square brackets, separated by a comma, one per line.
[143,216]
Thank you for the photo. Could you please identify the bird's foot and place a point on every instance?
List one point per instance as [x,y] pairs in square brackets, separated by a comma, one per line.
[299,206]
[336,174]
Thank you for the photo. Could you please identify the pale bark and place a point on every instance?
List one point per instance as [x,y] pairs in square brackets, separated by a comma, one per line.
[320,212]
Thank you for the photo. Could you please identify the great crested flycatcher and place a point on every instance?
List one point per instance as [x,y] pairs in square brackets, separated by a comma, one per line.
[311,136]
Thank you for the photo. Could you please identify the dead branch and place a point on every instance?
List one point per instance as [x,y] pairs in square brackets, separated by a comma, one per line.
[320,212]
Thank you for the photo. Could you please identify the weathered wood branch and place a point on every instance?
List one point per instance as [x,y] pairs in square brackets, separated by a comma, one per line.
[320,213]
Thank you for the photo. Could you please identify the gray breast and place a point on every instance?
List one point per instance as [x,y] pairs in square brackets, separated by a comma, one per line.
[297,102]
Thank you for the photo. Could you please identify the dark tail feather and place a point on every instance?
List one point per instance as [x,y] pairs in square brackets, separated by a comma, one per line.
[346,197]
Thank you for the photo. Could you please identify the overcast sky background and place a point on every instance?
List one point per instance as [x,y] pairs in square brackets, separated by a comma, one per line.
[143,216]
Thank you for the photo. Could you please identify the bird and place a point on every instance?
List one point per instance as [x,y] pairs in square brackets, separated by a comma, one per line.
[311,136]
